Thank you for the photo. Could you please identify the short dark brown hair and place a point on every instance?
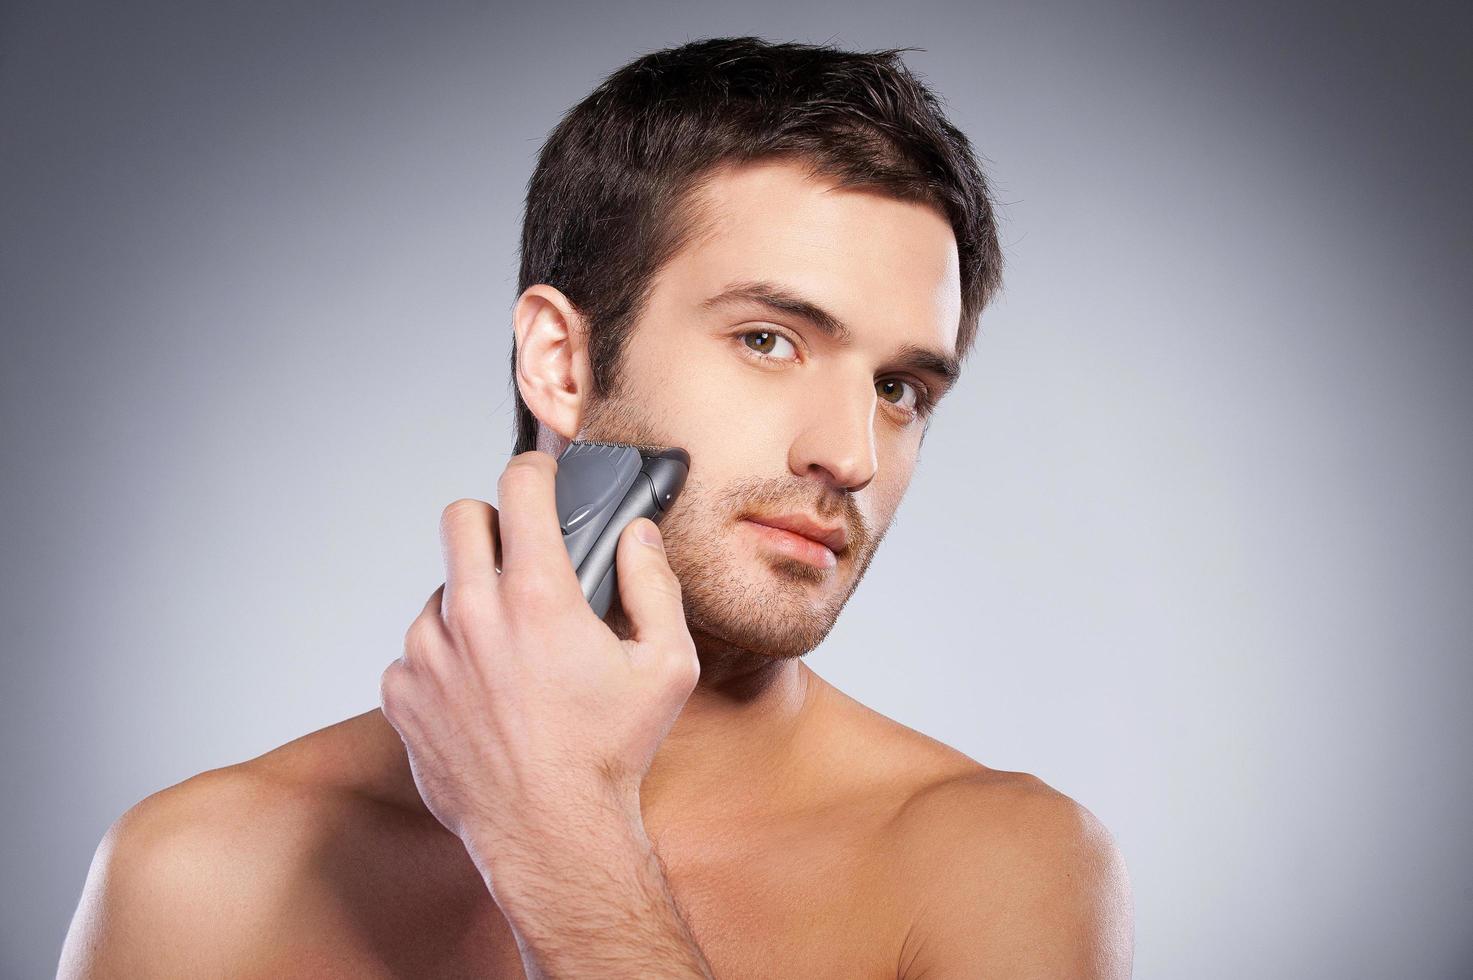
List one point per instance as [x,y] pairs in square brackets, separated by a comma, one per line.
[614,193]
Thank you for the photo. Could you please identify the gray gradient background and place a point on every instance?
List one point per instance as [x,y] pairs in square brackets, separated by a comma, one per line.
[1192,541]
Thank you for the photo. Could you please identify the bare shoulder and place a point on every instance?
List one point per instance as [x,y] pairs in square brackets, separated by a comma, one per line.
[997,872]
[199,878]
[1009,876]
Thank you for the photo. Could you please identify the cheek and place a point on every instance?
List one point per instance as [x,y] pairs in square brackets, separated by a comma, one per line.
[724,403]
[883,496]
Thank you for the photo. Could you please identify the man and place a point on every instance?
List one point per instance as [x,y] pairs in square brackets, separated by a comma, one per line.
[774,257]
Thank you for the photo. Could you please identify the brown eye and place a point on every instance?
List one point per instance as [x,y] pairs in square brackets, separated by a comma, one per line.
[894,384]
[767,340]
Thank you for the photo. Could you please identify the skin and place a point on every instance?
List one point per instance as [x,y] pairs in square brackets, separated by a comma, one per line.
[735,815]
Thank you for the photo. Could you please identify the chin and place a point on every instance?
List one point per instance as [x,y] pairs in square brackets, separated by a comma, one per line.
[759,610]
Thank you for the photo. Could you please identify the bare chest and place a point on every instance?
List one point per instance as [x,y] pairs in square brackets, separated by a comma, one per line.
[786,904]
[810,906]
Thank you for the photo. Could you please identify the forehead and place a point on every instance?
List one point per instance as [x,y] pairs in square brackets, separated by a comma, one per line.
[879,263]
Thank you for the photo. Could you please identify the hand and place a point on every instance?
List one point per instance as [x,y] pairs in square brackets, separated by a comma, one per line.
[528,723]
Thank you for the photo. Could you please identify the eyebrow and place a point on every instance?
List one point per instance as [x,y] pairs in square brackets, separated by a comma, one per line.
[945,366]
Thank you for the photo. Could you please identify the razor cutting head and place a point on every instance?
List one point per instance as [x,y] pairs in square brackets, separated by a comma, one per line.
[601,487]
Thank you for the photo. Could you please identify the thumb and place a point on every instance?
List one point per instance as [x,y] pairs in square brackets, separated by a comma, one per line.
[648,588]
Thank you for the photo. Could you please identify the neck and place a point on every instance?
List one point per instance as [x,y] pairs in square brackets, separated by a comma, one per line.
[734,739]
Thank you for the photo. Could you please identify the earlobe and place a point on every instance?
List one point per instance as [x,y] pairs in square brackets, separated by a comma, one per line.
[552,372]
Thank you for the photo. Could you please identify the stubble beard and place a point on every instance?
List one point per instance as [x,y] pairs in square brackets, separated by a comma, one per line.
[744,616]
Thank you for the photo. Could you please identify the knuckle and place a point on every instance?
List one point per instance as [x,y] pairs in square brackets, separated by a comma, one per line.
[418,639]
[391,687]
[679,658]
[533,459]
[528,462]
[532,465]
[683,666]
[459,510]
[463,613]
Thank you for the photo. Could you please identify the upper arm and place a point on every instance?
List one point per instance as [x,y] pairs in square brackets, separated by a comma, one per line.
[1024,883]
[167,893]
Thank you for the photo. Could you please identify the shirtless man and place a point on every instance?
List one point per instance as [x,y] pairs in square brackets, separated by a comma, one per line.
[669,792]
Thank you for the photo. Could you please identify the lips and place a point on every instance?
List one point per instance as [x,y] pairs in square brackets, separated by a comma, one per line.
[833,537]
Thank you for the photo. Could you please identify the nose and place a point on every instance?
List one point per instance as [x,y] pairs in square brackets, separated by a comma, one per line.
[839,441]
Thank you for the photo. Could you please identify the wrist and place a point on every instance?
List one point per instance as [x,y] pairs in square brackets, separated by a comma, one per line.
[539,852]
[570,887]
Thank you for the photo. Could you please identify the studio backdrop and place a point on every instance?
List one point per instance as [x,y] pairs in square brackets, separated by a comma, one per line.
[1191,540]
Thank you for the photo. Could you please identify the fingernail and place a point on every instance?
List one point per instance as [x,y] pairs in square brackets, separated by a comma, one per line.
[648,533]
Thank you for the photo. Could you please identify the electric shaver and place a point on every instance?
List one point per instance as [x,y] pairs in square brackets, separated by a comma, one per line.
[601,487]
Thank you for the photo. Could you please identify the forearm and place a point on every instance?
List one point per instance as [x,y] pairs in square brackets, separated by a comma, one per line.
[597,905]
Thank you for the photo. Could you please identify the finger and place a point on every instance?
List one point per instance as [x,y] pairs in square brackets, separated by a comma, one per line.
[650,593]
[469,531]
[391,685]
[532,548]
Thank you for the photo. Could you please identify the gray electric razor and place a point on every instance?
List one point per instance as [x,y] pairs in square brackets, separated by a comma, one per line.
[601,487]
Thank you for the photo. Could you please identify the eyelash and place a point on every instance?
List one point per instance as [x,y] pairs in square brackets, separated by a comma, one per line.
[924,402]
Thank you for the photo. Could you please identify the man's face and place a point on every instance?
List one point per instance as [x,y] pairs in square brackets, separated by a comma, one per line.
[821,429]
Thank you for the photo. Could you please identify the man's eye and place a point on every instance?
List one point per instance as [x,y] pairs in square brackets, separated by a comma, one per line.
[893,384]
[766,342]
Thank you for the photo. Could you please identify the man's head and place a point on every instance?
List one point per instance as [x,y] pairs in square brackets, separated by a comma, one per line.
[771,255]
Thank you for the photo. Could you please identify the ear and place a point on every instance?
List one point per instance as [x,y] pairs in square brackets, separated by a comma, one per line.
[552,370]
